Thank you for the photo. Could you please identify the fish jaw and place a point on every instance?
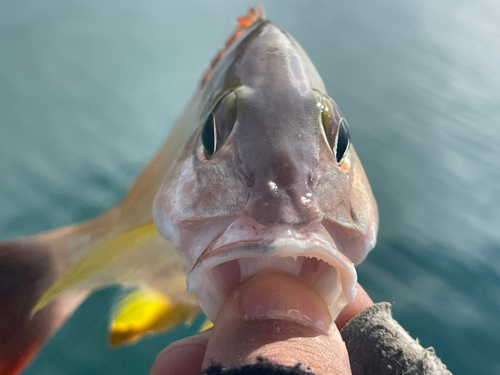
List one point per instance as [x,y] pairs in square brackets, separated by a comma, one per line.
[246,248]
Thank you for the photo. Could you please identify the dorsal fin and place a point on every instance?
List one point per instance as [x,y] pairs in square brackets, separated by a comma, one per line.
[242,23]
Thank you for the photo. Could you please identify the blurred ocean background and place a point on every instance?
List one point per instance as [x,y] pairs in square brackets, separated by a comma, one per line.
[89,90]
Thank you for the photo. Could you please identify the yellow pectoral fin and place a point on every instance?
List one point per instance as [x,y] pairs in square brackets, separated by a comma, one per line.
[207,324]
[139,257]
[129,257]
[99,259]
[145,311]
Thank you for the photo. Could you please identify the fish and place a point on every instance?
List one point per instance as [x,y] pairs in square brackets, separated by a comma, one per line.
[258,173]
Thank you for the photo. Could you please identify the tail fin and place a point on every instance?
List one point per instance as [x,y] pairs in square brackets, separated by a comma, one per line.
[30,266]
[44,278]
[27,269]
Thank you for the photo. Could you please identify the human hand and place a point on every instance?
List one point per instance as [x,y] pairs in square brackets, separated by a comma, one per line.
[275,316]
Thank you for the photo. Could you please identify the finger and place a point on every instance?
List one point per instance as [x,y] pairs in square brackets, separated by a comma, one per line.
[352,309]
[279,317]
[182,357]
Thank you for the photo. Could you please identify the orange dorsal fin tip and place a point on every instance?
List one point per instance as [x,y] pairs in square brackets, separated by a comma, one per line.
[253,15]
[242,23]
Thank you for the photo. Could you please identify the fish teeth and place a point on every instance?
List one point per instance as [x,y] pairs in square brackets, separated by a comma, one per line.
[251,266]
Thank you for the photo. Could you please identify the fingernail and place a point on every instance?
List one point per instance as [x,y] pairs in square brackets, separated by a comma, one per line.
[182,357]
[276,295]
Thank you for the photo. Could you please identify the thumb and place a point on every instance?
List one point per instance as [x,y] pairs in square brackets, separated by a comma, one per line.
[281,318]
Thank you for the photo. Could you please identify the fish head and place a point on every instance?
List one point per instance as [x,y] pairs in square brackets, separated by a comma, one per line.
[269,180]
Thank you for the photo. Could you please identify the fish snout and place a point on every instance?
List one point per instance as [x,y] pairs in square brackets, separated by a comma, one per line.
[283,202]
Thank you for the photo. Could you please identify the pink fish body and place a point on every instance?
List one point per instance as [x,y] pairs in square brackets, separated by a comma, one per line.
[258,173]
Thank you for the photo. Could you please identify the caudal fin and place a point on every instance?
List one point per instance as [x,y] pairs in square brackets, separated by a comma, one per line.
[44,278]
[27,270]
[31,267]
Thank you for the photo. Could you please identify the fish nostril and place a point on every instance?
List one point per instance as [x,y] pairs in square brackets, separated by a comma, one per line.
[250,180]
[310,181]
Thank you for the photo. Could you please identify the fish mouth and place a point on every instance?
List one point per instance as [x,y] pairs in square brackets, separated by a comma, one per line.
[246,248]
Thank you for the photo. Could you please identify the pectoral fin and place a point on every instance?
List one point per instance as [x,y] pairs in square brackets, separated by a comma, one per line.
[207,324]
[135,257]
[145,311]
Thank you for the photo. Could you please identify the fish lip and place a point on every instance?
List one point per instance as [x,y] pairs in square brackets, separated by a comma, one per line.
[279,246]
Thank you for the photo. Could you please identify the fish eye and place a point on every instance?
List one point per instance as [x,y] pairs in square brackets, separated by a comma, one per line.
[343,141]
[336,128]
[209,134]
[219,124]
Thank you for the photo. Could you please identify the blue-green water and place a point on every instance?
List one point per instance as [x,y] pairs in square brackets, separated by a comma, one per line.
[88,91]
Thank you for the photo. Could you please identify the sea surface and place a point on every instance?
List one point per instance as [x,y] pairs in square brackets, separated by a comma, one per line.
[89,90]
